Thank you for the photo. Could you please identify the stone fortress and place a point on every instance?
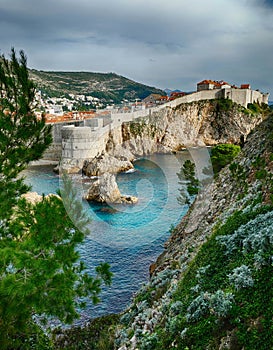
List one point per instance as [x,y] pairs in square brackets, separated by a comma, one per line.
[73,142]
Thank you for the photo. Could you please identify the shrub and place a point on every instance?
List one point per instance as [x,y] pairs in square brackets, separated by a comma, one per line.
[255,237]
[223,154]
[241,277]
[218,303]
[224,104]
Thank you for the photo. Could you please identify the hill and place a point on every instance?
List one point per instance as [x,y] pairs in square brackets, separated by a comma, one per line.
[107,87]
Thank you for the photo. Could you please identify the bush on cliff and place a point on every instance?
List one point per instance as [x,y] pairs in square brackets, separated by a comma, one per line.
[222,155]
[227,289]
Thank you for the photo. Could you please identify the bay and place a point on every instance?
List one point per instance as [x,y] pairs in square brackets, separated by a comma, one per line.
[129,238]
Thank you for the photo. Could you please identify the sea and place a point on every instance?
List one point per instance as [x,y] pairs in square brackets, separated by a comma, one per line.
[128,237]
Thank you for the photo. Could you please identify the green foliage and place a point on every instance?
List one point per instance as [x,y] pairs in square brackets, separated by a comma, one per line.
[41,274]
[257,108]
[23,138]
[239,174]
[227,286]
[188,180]
[253,107]
[265,177]
[137,128]
[223,105]
[149,342]
[223,154]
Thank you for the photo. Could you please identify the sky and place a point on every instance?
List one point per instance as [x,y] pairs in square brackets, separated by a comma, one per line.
[167,44]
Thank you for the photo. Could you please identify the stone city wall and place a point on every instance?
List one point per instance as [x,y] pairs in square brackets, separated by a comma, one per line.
[85,139]
[80,143]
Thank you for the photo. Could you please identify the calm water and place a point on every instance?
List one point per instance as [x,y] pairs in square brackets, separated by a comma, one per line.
[127,237]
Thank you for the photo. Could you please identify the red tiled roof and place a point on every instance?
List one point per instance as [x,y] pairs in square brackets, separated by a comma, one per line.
[213,82]
[206,82]
[51,118]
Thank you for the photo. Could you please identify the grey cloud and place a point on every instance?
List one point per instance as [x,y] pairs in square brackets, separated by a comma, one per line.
[165,44]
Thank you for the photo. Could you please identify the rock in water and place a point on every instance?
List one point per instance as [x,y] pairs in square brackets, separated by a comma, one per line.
[106,164]
[105,190]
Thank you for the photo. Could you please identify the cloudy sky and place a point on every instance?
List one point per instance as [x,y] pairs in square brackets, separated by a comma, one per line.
[170,43]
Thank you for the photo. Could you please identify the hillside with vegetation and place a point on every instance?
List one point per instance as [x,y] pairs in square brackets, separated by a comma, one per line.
[212,286]
[107,87]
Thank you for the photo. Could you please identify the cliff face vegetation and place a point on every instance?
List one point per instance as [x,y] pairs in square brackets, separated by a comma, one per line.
[212,288]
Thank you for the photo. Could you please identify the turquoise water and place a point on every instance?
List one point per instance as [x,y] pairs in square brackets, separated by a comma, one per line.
[128,237]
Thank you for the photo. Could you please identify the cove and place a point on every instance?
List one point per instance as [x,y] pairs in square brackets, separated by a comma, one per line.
[129,238]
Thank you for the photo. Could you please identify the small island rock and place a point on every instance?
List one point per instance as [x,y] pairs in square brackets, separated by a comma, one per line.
[106,164]
[105,190]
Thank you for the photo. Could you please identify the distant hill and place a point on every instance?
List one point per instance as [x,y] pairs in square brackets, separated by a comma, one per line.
[169,91]
[108,87]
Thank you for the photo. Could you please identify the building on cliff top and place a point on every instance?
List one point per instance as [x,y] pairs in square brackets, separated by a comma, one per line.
[212,84]
[242,95]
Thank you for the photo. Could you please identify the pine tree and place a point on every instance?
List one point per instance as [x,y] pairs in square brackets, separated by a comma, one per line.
[41,275]
[190,184]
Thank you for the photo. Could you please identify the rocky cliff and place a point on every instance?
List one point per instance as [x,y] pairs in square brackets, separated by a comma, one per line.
[206,122]
[171,129]
[212,286]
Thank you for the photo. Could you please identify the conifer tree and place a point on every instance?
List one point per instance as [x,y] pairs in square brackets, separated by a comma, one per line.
[41,275]
[190,184]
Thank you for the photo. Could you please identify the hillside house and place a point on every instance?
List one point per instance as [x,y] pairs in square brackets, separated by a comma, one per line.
[155,99]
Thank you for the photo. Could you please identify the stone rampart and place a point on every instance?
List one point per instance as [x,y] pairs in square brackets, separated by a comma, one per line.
[79,140]
[80,143]
[240,96]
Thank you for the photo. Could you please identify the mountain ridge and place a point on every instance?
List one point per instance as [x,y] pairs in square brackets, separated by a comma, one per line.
[109,87]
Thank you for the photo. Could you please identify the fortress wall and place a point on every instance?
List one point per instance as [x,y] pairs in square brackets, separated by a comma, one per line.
[79,140]
[240,96]
[245,96]
[196,96]
[76,142]
[54,151]
[119,118]
[82,143]
[257,96]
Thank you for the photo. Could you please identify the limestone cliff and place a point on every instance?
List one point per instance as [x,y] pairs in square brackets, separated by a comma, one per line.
[202,122]
[170,129]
